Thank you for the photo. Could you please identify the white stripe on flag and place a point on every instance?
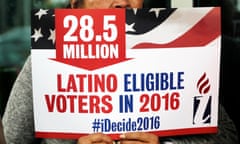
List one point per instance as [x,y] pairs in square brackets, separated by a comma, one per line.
[181,3]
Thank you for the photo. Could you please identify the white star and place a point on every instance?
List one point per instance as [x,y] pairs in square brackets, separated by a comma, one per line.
[156,10]
[135,10]
[129,28]
[52,35]
[40,13]
[37,34]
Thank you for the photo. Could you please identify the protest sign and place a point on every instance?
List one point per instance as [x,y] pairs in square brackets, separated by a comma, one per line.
[125,70]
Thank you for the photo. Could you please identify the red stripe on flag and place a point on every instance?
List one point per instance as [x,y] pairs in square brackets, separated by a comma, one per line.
[174,132]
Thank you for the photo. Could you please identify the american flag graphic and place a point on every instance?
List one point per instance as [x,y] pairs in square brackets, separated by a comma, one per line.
[169,28]
[43,29]
[145,28]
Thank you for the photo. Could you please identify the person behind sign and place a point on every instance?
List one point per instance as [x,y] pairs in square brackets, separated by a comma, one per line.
[2,138]
[18,116]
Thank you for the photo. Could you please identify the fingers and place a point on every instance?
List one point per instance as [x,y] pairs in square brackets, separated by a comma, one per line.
[139,137]
[127,138]
[97,138]
[135,136]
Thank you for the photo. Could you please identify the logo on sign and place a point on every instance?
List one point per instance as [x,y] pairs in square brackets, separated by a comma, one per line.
[202,102]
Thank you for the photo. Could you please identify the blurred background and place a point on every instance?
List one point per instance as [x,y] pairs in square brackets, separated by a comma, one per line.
[15,42]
